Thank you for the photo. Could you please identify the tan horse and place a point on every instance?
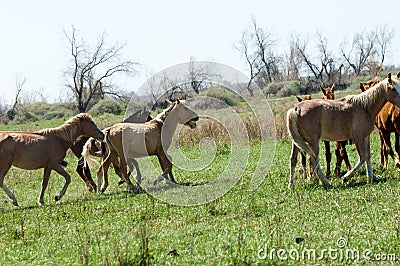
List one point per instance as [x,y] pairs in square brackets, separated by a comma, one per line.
[351,117]
[43,149]
[141,140]
[94,148]
[387,121]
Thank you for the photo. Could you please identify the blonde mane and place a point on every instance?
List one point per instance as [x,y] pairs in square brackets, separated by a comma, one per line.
[369,97]
[163,115]
[67,131]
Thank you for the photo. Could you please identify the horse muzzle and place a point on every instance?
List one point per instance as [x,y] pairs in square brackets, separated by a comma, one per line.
[192,122]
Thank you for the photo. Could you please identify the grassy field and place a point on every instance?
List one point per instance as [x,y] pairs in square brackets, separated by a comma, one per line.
[358,223]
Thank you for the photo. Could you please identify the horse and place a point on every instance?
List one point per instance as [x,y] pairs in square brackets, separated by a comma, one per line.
[95,149]
[141,140]
[43,149]
[340,150]
[351,117]
[387,121]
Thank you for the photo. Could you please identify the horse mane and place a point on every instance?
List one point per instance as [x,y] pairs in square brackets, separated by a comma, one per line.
[67,131]
[163,115]
[369,97]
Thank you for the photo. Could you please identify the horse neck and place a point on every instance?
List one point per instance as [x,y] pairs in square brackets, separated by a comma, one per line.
[374,99]
[67,132]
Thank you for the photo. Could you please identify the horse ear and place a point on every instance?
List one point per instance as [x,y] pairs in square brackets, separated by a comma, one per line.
[398,75]
[322,89]
[390,78]
[144,109]
[333,87]
[178,101]
[298,99]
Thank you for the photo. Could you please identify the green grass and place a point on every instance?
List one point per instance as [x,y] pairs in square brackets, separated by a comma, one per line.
[241,227]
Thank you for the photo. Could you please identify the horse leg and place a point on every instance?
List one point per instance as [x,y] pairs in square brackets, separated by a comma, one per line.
[45,181]
[315,164]
[370,174]
[133,163]
[328,157]
[339,159]
[123,168]
[102,172]
[67,177]
[84,172]
[384,142]
[361,149]
[343,154]
[293,161]
[303,167]
[169,168]
[388,149]
[3,173]
[166,167]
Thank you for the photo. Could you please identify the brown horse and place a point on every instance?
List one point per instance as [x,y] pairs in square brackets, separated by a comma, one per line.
[340,151]
[351,117]
[387,121]
[94,148]
[140,140]
[43,149]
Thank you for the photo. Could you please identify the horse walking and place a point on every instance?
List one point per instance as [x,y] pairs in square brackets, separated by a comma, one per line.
[43,149]
[141,140]
[351,117]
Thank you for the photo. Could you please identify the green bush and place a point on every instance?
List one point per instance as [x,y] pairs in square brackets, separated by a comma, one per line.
[225,95]
[106,106]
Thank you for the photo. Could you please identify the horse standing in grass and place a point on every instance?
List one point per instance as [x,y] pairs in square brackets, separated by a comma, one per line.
[351,117]
[94,148]
[387,121]
[132,140]
[43,149]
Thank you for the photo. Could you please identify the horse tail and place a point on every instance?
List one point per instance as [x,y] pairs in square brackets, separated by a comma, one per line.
[295,135]
[87,160]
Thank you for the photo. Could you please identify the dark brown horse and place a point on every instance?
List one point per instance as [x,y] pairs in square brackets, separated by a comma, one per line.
[351,117]
[387,121]
[82,169]
[340,151]
[43,149]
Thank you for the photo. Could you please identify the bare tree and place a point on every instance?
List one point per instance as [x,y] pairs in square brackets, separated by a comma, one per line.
[384,37]
[360,52]
[243,46]
[89,74]
[19,84]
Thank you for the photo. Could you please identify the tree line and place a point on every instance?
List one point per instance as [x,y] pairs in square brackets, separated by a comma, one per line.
[91,70]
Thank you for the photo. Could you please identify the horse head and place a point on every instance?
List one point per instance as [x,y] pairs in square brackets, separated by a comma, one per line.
[393,85]
[89,127]
[184,114]
[329,93]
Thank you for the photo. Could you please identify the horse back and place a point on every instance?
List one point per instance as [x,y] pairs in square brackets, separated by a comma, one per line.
[30,150]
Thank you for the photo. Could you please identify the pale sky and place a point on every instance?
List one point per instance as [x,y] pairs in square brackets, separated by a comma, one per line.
[160,34]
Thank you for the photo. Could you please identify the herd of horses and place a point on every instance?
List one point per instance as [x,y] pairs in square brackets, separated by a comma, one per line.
[350,118]
[309,121]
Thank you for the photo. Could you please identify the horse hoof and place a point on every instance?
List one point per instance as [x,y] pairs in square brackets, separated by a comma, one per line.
[120,182]
[15,203]
[57,197]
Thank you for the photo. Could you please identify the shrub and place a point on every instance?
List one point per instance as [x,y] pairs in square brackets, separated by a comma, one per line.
[106,106]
